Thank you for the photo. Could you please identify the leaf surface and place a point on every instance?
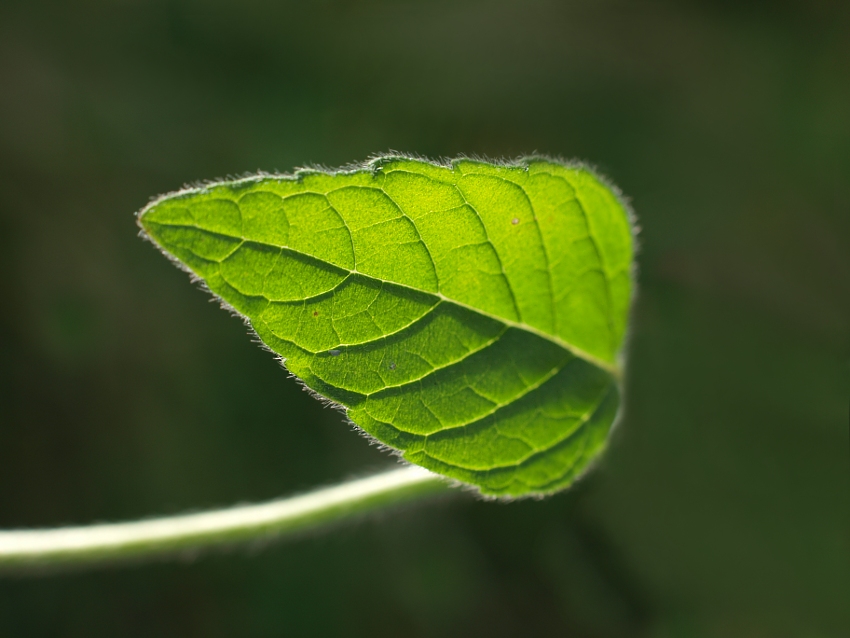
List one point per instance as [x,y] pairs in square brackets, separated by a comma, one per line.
[469,316]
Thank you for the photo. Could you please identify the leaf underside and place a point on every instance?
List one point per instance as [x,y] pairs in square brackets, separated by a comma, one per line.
[469,316]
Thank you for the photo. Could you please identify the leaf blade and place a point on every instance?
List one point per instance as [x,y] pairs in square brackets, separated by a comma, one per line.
[468,316]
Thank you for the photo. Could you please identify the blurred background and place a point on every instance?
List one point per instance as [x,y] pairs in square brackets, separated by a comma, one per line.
[721,508]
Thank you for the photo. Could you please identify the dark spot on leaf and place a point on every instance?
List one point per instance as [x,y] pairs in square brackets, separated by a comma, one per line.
[392,365]
[315,313]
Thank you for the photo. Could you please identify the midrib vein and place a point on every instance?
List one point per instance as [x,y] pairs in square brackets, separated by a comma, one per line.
[612,369]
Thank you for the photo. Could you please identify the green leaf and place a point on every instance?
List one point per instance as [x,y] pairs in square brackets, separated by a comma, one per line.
[469,316]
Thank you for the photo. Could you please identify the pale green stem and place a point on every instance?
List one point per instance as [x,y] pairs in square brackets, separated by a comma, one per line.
[190,532]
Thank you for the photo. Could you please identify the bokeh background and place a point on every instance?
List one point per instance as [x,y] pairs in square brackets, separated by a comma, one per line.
[721,508]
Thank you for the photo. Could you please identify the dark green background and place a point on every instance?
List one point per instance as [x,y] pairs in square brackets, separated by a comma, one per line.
[721,508]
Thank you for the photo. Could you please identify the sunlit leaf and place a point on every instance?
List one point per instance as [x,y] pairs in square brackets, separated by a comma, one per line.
[469,316]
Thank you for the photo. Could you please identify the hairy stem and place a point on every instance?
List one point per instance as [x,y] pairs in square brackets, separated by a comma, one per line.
[190,532]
